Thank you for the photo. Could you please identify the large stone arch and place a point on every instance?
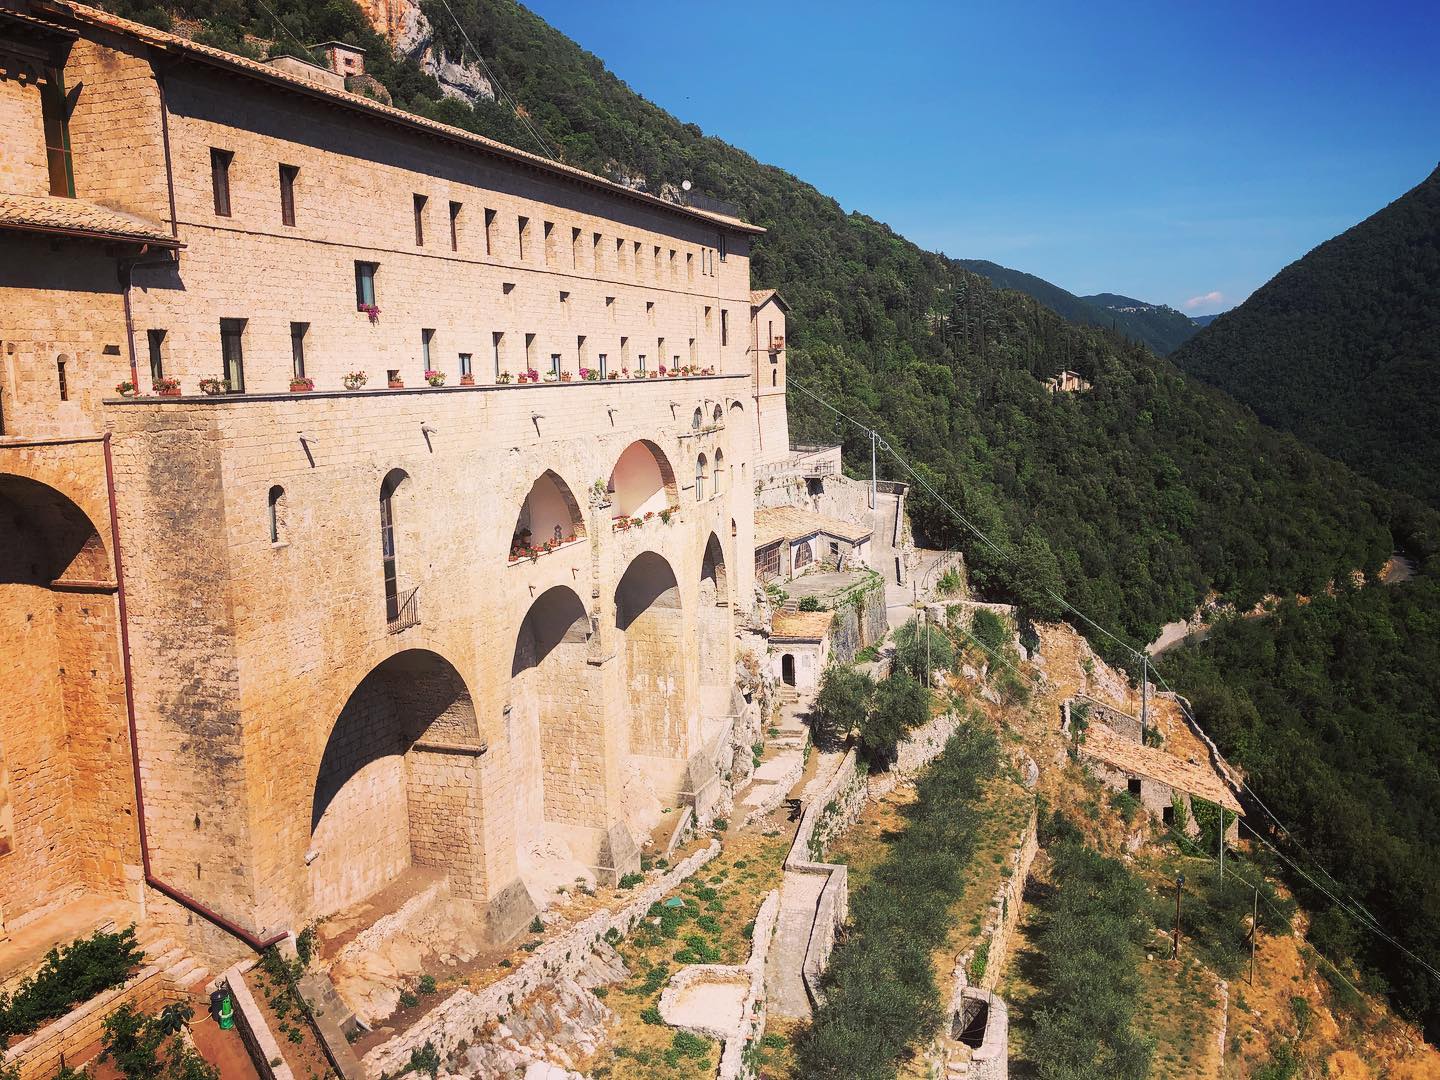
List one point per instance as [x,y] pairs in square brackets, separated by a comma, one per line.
[713,624]
[557,719]
[642,481]
[654,656]
[549,515]
[62,718]
[398,784]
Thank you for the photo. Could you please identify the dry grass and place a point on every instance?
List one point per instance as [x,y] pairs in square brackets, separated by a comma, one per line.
[723,896]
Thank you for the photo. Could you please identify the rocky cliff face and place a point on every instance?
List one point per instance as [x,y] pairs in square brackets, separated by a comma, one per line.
[410,32]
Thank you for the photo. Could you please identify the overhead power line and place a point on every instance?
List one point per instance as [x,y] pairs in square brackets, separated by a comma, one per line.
[1349,905]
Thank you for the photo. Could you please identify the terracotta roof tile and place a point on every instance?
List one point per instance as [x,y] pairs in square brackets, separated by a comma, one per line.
[792,523]
[801,625]
[48,214]
[1139,760]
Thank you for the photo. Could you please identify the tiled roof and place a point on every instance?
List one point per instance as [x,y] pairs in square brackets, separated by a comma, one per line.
[48,214]
[758,297]
[801,625]
[1139,760]
[792,523]
[209,54]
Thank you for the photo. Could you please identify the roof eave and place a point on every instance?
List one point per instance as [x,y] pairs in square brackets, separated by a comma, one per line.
[102,235]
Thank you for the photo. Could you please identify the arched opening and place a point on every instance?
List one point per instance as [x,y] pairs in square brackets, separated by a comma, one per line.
[804,555]
[702,471]
[713,624]
[642,481]
[397,784]
[697,420]
[787,669]
[275,514]
[718,416]
[649,619]
[719,484]
[558,739]
[549,517]
[62,720]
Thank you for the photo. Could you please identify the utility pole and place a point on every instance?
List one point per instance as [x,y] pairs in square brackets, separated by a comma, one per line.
[927,644]
[1221,844]
[1254,931]
[873,438]
[1175,948]
[1144,695]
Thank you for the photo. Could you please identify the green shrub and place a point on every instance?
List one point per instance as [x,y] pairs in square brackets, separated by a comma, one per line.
[990,630]
[911,653]
[69,976]
[426,985]
[630,880]
[901,704]
[811,603]
[536,926]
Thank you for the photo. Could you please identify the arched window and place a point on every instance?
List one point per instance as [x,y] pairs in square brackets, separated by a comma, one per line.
[701,466]
[719,471]
[697,420]
[719,414]
[277,514]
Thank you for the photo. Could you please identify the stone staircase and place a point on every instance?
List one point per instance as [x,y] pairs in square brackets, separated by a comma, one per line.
[181,969]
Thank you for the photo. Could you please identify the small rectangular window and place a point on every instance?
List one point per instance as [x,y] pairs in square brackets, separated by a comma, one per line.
[427,337]
[55,114]
[708,320]
[497,343]
[466,370]
[694,354]
[529,352]
[232,353]
[690,267]
[420,201]
[489,231]
[60,377]
[581,356]
[724,327]
[655,261]
[220,179]
[641,359]
[624,352]
[597,253]
[555,364]
[522,230]
[156,340]
[365,284]
[547,236]
[1135,786]
[635,259]
[674,266]
[604,365]
[724,246]
[288,173]
[298,330]
[455,208]
[575,248]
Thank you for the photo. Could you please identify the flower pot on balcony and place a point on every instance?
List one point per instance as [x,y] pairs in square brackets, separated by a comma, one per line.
[301,386]
[397,384]
[467,380]
[355,380]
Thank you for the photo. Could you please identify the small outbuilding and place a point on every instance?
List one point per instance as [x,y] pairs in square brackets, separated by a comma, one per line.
[800,647]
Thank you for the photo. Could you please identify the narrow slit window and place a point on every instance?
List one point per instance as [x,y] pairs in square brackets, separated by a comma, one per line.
[497,344]
[365,284]
[522,230]
[276,513]
[420,201]
[55,115]
[455,209]
[427,339]
[232,353]
[298,330]
[489,231]
[724,327]
[156,341]
[220,179]
[288,174]
[61,379]
[466,370]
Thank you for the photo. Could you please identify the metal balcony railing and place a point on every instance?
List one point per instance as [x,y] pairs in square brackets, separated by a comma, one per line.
[403,611]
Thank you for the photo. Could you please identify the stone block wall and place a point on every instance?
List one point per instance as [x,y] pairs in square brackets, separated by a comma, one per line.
[860,619]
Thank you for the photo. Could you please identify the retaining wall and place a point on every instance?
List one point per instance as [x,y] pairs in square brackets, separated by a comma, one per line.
[40,1055]
[460,1016]
[920,747]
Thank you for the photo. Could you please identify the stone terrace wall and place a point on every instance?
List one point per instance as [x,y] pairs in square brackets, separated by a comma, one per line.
[860,620]
[459,1017]
[42,1054]
[914,752]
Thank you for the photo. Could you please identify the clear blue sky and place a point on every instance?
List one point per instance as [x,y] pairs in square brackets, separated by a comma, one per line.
[1167,152]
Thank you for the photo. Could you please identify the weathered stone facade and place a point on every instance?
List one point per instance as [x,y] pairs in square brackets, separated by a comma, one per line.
[367,628]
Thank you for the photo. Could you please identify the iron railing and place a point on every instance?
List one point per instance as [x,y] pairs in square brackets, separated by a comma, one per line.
[403,611]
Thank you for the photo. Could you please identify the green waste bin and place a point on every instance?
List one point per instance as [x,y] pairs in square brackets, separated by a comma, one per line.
[227,1013]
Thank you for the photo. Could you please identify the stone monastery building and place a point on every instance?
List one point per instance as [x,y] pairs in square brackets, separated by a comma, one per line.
[266,646]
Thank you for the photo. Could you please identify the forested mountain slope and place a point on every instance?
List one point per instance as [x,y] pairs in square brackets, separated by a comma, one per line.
[1343,347]
[1333,710]
[1162,328]
[1133,499]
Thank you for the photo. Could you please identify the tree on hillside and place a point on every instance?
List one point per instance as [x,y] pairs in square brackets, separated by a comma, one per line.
[901,704]
[911,654]
[841,706]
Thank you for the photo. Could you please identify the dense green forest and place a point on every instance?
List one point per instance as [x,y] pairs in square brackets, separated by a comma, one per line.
[1162,328]
[1343,347]
[1133,499]
[1333,710]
